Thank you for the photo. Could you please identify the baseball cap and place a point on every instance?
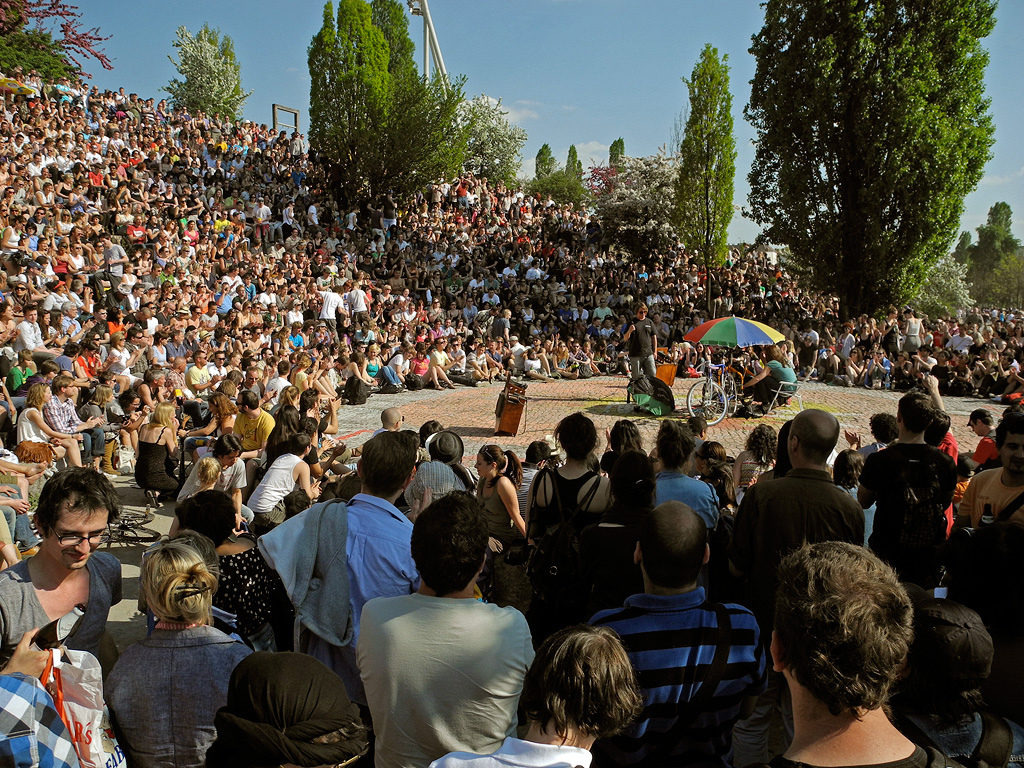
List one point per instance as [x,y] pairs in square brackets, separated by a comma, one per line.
[949,636]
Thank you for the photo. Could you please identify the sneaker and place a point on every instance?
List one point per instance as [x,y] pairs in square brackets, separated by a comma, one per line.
[26,553]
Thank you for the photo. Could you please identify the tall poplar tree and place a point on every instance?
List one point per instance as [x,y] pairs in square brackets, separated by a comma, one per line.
[544,163]
[707,161]
[573,166]
[872,126]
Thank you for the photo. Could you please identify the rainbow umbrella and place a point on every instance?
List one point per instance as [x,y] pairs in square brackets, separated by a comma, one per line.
[10,85]
[734,332]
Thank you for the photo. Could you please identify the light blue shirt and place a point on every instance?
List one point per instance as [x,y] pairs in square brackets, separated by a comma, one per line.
[696,494]
[380,564]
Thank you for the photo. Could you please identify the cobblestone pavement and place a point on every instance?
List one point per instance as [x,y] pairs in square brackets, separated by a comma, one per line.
[470,412]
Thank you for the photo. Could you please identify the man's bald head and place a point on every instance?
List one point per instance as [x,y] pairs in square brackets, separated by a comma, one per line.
[390,418]
[673,541]
[815,433]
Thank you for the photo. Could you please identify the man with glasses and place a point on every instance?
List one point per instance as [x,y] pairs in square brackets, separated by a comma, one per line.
[75,508]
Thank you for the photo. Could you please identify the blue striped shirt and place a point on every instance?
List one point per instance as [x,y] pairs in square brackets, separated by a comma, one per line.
[671,641]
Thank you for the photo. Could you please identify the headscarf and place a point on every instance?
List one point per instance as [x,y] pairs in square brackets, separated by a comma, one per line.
[278,703]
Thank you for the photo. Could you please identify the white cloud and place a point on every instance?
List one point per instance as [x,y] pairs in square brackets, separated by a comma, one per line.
[517,111]
[527,167]
[998,180]
[592,153]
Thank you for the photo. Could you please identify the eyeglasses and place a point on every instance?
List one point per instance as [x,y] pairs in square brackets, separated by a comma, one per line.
[74,539]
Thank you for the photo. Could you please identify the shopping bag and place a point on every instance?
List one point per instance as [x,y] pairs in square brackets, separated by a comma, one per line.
[75,682]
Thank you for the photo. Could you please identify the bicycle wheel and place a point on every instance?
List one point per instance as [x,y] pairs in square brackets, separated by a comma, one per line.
[135,519]
[135,535]
[707,400]
[731,389]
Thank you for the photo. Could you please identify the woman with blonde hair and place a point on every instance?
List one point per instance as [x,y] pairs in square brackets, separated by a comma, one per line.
[158,449]
[222,422]
[37,441]
[164,717]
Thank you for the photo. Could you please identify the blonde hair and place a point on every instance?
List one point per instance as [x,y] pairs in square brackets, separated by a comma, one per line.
[36,395]
[289,396]
[208,470]
[102,395]
[177,585]
[163,415]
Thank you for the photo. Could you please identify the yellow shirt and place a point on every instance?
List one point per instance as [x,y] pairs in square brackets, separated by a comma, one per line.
[253,432]
[987,488]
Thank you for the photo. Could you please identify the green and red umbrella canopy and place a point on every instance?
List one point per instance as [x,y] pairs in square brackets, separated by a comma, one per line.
[734,331]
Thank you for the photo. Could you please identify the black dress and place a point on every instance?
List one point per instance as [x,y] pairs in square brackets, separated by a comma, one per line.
[153,467]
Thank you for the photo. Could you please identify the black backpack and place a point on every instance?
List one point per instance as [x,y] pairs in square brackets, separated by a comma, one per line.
[356,391]
[555,568]
[413,382]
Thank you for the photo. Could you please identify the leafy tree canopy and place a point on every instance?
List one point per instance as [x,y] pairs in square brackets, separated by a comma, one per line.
[872,126]
[494,146]
[707,161]
[637,212]
[211,77]
[545,162]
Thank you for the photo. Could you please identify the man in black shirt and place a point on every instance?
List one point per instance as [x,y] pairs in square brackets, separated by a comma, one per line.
[642,338]
[911,483]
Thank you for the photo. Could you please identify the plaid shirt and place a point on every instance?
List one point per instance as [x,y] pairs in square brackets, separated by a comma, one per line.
[30,728]
[61,416]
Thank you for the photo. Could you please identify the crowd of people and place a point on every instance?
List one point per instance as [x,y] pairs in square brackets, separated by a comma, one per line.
[184,296]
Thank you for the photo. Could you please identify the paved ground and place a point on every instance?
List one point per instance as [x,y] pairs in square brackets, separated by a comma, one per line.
[470,413]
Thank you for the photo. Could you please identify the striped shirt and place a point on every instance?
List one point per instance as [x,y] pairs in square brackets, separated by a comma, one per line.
[671,641]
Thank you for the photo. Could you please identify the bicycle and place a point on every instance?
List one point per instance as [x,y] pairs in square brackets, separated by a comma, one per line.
[708,398]
[130,528]
[719,393]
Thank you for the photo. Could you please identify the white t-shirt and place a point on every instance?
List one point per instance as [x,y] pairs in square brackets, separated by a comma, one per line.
[332,301]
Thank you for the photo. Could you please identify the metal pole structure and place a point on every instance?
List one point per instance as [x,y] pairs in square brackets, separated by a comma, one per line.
[430,42]
[426,49]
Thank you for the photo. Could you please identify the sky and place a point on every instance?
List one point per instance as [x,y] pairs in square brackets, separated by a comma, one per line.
[581,72]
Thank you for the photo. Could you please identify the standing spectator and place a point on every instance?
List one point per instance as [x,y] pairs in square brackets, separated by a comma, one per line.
[365,549]
[911,483]
[74,510]
[776,517]
[410,645]
[842,633]
[674,444]
[643,341]
[999,493]
[696,662]
[565,712]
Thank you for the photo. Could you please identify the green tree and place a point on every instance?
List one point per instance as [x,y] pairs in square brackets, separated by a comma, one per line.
[545,163]
[1008,281]
[378,126]
[561,186]
[962,252]
[872,126]
[494,147]
[212,76]
[34,49]
[995,243]
[573,165]
[389,17]
[616,152]
[707,162]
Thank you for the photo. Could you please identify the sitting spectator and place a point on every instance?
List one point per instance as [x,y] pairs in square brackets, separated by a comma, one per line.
[162,716]
[158,448]
[756,458]
[285,708]
[288,473]
[565,713]
[846,474]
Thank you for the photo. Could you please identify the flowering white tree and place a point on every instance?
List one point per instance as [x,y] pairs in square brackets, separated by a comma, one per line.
[945,289]
[495,145]
[212,76]
[637,210]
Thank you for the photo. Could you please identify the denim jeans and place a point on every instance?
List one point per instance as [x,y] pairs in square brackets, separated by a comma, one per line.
[93,443]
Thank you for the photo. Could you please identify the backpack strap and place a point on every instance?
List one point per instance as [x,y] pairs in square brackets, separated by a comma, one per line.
[996,743]
[664,743]
[1006,512]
